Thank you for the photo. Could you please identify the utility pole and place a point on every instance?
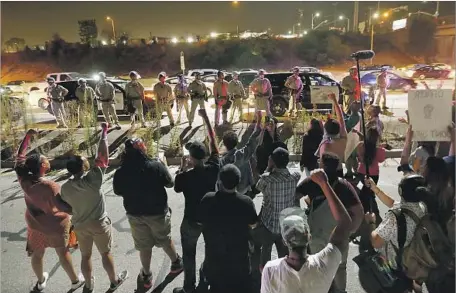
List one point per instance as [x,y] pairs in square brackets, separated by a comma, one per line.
[437,9]
[355,16]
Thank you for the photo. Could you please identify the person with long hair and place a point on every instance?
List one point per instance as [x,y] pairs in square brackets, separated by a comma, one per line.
[47,215]
[310,142]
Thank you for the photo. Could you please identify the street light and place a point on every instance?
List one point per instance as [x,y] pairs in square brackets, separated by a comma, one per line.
[341,17]
[190,40]
[104,43]
[174,40]
[289,32]
[213,35]
[321,23]
[305,32]
[385,15]
[113,29]
[294,25]
[313,17]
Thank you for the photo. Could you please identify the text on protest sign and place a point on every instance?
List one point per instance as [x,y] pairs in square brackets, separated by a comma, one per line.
[430,114]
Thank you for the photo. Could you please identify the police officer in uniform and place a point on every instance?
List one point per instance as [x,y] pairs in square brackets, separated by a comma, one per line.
[351,91]
[56,94]
[222,102]
[236,92]
[164,95]
[181,94]
[382,84]
[262,90]
[294,84]
[198,94]
[86,97]
[134,91]
[105,92]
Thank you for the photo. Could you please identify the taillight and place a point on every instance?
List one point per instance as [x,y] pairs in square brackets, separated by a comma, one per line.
[149,95]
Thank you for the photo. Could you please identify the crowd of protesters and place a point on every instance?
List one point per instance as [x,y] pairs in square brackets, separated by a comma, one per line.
[218,188]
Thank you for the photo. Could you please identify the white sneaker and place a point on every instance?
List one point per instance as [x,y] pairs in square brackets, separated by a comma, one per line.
[41,286]
[79,284]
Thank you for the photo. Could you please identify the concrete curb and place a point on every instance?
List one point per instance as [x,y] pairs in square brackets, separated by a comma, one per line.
[60,163]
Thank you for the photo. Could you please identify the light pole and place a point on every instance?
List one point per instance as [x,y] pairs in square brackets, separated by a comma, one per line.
[375,16]
[313,17]
[321,23]
[341,17]
[294,25]
[113,29]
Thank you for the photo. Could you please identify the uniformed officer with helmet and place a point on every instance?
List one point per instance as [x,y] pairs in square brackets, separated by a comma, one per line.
[294,84]
[382,85]
[106,92]
[164,95]
[181,94]
[351,89]
[198,95]
[262,90]
[86,97]
[237,94]
[134,92]
[56,94]
[222,102]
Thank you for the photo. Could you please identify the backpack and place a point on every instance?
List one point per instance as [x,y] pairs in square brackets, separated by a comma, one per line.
[428,256]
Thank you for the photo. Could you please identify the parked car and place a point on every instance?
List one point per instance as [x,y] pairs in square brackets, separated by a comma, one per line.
[377,67]
[119,97]
[442,65]
[410,69]
[209,85]
[396,82]
[430,71]
[11,103]
[316,86]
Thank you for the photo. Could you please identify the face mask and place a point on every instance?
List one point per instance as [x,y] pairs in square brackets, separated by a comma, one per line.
[261,76]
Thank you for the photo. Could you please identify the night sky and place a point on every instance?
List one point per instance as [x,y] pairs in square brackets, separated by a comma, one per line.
[36,22]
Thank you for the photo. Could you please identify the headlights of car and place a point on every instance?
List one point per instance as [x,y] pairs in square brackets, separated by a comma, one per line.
[149,95]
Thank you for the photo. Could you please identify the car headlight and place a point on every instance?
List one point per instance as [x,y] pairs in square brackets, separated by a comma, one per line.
[2,91]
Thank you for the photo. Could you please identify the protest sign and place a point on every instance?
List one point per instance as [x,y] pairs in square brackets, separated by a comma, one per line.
[430,114]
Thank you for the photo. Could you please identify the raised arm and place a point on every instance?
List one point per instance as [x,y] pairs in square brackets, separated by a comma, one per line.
[340,115]
[65,91]
[244,154]
[342,231]
[22,150]
[213,148]
[102,159]
[384,198]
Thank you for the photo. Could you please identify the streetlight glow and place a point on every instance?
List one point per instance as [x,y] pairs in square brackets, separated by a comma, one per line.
[317,14]
[104,43]
[376,15]
[299,24]
[174,40]
[386,14]
[124,42]
[213,35]
[108,18]
[190,40]
[305,32]
[289,32]
[341,17]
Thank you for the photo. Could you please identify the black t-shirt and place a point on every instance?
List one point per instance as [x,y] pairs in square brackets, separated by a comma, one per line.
[342,188]
[196,183]
[142,186]
[226,218]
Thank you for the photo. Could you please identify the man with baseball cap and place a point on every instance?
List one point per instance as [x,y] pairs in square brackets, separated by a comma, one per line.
[134,91]
[222,102]
[300,272]
[181,94]
[106,92]
[164,95]
[86,97]
[195,178]
[236,92]
[56,94]
[294,84]
[351,89]
[262,90]
[382,84]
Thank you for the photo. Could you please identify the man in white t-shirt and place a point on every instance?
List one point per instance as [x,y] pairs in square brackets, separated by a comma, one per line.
[299,272]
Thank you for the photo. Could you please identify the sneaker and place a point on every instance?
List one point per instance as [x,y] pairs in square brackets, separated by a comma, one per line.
[177,266]
[78,284]
[172,124]
[144,280]
[120,279]
[89,289]
[40,286]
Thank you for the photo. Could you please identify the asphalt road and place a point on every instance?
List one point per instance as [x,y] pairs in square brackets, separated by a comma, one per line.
[17,275]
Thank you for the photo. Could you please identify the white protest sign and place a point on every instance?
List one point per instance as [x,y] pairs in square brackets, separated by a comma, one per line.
[182,61]
[319,94]
[430,114]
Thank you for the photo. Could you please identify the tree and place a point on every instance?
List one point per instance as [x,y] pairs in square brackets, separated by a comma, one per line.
[421,37]
[15,44]
[88,31]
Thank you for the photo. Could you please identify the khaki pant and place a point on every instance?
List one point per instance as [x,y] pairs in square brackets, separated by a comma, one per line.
[150,231]
[137,104]
[262,104]
[109,112]
[164,106]
[182,103]
[86,114]
[348,101]
[237,104]
[95,231]
[381,93]
[221,104]
[58,110]
[294,101]
[195,103]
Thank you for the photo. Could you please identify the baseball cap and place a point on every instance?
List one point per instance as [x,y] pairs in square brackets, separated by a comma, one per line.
[236,73]
[82,80]
[280,157]
[261,71]
[294,227]
[102,75]
[50,79]
[230,176]
[135,73]
[295,69]
[196,149]
[162,74]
